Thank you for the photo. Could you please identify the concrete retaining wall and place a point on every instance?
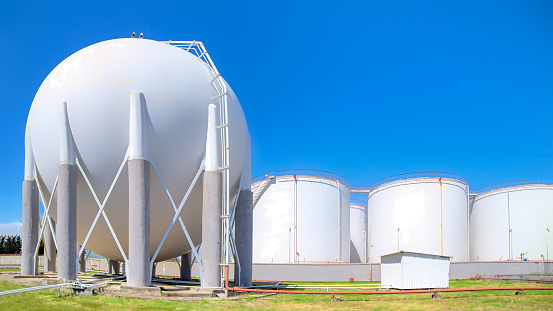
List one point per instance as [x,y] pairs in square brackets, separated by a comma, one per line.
[337,272]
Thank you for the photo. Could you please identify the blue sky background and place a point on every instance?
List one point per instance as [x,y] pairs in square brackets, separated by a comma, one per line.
[365,89]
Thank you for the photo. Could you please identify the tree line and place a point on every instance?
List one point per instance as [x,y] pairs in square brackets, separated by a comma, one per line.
[10,244]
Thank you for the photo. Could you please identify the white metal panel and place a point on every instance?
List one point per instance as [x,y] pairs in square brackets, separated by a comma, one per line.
[358,231]
[405,270]
[302,218]
[96,83]
[526,210]
[391,271]
[419,208]
[425,271]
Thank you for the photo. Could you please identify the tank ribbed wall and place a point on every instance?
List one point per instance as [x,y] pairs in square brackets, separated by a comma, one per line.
[426,215]
[508,222]
[302,219]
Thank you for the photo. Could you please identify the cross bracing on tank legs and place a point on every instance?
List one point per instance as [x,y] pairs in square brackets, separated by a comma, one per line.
[101,206]
[177,212]
[46,215]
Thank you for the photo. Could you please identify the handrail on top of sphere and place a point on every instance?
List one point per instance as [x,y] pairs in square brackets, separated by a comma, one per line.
[407,176]
[510,184]
[197,48]
[301,172]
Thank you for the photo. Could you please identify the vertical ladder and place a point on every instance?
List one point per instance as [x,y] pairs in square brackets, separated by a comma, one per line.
[217,82]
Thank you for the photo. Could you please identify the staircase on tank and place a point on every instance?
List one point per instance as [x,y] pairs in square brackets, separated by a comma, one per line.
[260,188]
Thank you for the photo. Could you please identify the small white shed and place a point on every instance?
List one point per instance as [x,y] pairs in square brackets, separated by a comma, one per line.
[409,270]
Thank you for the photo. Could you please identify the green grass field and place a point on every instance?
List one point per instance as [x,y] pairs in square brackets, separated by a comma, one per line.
[534,300]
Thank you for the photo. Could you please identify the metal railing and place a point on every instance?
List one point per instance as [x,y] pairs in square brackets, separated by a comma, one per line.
[301,172]
[198,49]
[512,184]
[358,202]
[407,176]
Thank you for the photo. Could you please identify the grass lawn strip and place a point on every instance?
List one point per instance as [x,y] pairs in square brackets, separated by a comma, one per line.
[535,300]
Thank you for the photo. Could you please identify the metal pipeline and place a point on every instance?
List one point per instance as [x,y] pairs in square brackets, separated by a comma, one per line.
[525,280]
[374,292]
[91,283]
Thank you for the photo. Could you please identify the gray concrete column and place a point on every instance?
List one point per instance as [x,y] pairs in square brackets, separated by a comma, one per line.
[67,222]
[113,266]
[139,223]
[211,230]
[82,259]
[49,247]
[29,228]
[185,266]
[154,270]
[244,238]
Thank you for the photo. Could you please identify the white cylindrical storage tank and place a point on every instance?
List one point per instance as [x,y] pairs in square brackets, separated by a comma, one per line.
[301,216]
[419,212]
[358,230]
[96,82]
[511,219]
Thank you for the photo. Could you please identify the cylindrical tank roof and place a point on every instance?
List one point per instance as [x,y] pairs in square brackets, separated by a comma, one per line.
[417,175]
[528,183]
[301,172]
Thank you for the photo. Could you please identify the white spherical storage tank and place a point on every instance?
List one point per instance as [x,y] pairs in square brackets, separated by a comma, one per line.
[301,216]
[95,82]
[358,220]
[419,212]
[512,221]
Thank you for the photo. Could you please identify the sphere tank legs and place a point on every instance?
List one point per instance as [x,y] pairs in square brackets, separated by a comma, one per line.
[49,247]
[67,222]
[66,203]
[185,267]
[139,271]
[244,238]
[211,229]
[29,234]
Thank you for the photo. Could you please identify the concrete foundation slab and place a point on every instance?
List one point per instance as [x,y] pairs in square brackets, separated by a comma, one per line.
[140,290]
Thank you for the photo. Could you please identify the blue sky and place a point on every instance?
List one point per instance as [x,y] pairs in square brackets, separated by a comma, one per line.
[366,89]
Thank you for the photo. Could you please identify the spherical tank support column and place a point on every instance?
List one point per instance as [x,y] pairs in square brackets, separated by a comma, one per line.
[138,273]
[244,238]
[211,209]
[185,267]
[243,217]
[49,247]
[67,203]
[82,259]
[113,266]
[30,222]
